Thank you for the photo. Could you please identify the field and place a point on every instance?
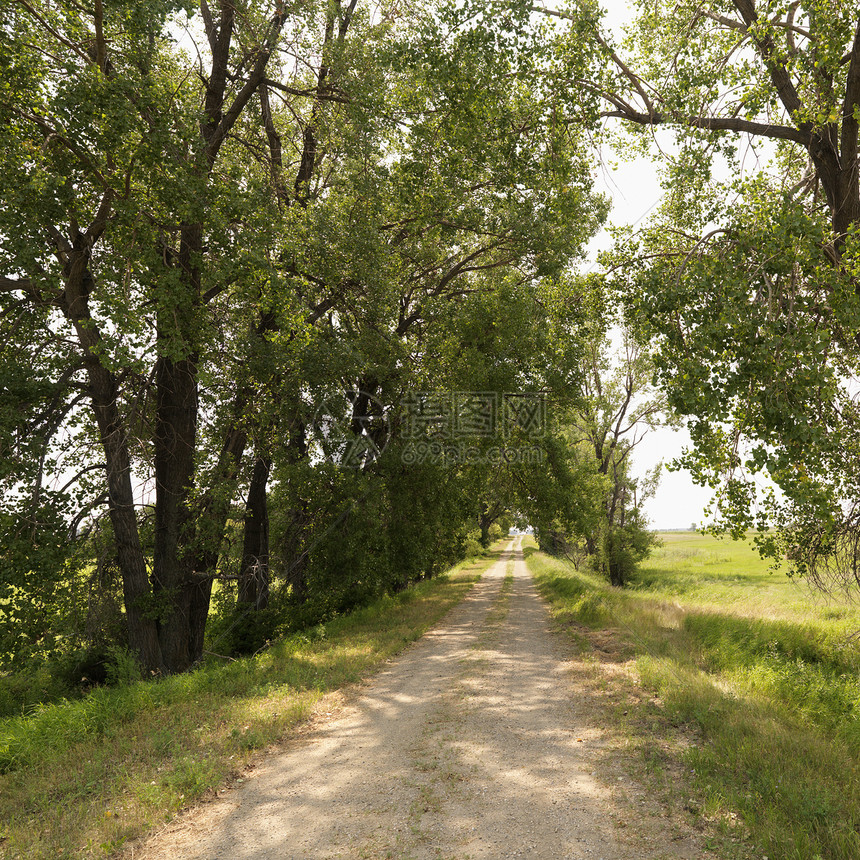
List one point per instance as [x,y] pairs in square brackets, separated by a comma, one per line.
[744,688]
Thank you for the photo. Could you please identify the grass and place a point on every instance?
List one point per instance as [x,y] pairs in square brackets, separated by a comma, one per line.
[81,778]
[751,680]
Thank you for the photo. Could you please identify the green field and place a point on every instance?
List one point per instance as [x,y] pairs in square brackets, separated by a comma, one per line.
[750,677]
[704,571]
[739,688]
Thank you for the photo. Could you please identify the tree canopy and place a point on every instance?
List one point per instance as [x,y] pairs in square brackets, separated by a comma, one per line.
[289,299]
[746,279]
[234,240]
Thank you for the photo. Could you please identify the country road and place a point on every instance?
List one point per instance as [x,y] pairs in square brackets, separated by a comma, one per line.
[472,744]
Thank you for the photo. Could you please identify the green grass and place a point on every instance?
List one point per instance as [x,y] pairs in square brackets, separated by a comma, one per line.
[759,671]
[81,778]
[705,571]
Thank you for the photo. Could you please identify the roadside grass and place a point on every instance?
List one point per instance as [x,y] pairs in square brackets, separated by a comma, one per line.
[81,778]
[750,682]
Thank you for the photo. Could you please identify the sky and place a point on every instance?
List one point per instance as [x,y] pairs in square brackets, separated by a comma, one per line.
[635,190]
[678,502]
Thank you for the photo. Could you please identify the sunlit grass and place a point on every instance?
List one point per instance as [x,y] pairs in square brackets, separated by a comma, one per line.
[762,671]
[705,572]
[80,778]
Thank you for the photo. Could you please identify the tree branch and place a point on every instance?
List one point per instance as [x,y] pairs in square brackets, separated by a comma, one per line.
[58,36]
[326,94]
[345,21]
[627,71]
[848,142]
[276,163]
[29,288]
[760,129]
[209,25]
[9,285]
[80,475]
[95,230]
[220,43]
[767,49]
[101,47]
[228,119]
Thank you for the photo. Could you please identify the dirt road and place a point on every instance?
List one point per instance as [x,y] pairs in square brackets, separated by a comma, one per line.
[472,744]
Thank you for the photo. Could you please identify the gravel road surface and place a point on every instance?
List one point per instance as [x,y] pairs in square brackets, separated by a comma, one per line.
[474,743]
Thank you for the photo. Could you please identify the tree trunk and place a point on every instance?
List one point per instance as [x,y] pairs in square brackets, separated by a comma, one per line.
[211,520]
[104,392]
[212,514]
[292,551]
[293,554]
[173,573]
[142,631]
[254,576]
[485,521]
[184,600]
[840,184]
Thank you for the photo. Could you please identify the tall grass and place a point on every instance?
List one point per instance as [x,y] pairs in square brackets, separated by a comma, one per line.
[761,671]
[80,778]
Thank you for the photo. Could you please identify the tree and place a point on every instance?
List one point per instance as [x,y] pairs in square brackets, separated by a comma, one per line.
[749,287]
[123,225]
[430,227]
[787,72]
[617,409]
[201,244]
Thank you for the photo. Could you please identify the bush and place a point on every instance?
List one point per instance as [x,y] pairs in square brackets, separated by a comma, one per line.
[122,667]
[621,548]
[472,547]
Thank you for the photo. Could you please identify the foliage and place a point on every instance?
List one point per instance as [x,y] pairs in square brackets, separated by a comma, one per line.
[747,286]
[614,407]
[228,268]
[622,545]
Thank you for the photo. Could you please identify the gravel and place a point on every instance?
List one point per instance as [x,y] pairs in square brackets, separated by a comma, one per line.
[474,743]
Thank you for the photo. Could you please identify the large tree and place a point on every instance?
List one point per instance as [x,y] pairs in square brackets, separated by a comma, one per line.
[133,262]
[213,224]
[429,225]
[748,284]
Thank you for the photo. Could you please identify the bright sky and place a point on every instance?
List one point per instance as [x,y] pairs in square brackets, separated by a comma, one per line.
[635,191]
[678,502]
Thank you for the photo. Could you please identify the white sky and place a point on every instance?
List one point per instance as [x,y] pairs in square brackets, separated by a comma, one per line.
[678,503]
[635,191]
